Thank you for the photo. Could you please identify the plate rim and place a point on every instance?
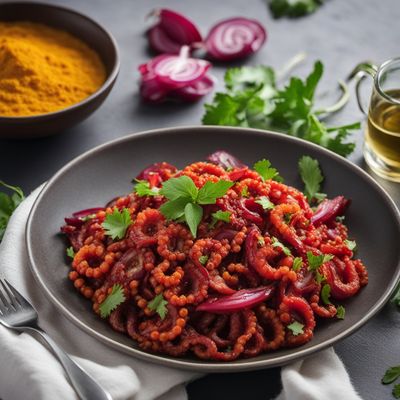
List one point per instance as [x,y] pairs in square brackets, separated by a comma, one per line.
[199,365]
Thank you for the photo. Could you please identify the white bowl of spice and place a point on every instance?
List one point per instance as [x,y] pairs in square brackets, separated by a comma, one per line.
[57,66]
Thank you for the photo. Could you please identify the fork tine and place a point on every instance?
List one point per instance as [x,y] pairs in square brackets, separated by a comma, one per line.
[21,299]
[12,301]
[4,303]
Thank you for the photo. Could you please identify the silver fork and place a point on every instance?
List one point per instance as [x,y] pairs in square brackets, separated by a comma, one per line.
[18,314]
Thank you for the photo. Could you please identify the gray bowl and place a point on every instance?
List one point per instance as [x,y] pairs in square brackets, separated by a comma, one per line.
[106,171]
[83,28]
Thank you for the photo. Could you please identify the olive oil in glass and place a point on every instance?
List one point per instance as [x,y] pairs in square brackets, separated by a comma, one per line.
[383,134]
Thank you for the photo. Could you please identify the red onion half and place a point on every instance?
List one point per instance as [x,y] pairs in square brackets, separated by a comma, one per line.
[172,32]
[175,76]
[235,38]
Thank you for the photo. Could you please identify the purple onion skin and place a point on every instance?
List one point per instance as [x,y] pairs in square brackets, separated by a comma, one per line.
[178,27]
[240,300]
[328,210]
[160,42]
[225,160]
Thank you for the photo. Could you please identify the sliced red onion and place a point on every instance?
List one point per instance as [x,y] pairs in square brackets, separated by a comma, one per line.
[178,71]
[237,301]
[197,90]
[77,218]
[87,211]
[175,76]
[330,209]
[172,32]
[225,160]
[161,42]
[235,38]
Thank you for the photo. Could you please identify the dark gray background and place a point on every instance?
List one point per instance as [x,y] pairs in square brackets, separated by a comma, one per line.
[340,34]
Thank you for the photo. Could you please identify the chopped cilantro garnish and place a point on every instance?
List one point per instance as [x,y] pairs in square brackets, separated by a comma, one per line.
[326,293]
[297,264]
[245,191]
[116,223]
[70,252]
[219,215]
[319,278]
[312,177]
[112,301]
[293,8]
[265,203]
[264,169]
[142,188]
[203,260]
[296,328]
[159,305]
[277,243]
[340,312]
[314,262]
[351,244]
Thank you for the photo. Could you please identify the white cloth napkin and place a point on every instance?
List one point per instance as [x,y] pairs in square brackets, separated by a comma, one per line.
[29,371]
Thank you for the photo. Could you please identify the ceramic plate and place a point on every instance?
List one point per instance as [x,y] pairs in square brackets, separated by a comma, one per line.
[106,171]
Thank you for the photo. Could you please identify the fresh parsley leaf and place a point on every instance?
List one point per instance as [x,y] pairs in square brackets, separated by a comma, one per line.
[277,243]
[396,391]
[311,175]
[351,244]
[314,262]
[219,215]
[261,241]
[159,305]
[293,8]
[296,328]
[244,78]
[183,186]
[8,204]
[174,209]
[70,252]
[297,264]
[391,374]
[112,301]
[326,293]
[396,297]
[87,217]
[116,223]
[340,312]
[264,169]
[245,191]
[211,191]
[319,278]
[340,218]
[253,100]
[193,215]
[203,260]
[142,188]
[265,202]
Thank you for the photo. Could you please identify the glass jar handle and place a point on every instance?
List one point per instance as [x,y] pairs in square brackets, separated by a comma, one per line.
[359,73]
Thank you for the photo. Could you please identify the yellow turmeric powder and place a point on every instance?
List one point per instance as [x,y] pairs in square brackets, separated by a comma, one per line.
[43,69]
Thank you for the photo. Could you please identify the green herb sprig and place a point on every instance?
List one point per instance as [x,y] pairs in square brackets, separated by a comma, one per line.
[185,199]
[252,99]
[112,301]
[8,203]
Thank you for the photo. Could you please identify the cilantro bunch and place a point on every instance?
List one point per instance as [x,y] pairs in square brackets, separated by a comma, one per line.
[8,204]
[293,8]
[252,99]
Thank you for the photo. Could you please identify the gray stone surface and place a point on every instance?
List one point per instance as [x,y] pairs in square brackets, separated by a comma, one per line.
[341,34]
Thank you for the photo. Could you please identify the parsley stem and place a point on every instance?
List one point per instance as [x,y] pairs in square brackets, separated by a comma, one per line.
[338,105]
[290,66]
